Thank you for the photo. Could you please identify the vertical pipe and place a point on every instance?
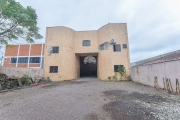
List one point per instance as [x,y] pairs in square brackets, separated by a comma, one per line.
[29,54]
[17,55]
[41,56]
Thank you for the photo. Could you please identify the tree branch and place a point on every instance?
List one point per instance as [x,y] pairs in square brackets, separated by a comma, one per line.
[11,28]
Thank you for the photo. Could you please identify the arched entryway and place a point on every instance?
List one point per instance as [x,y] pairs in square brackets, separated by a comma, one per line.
[88,66]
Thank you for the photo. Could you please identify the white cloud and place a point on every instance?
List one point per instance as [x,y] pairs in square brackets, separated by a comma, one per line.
[153,25]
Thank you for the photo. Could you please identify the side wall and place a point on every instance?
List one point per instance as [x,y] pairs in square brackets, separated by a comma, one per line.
[19,72]
[146,74]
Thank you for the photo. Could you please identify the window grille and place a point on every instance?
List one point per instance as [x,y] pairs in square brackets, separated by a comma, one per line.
[55,50]
[53,69]
[86,43]
[117,48]
[35,59]
[23,60]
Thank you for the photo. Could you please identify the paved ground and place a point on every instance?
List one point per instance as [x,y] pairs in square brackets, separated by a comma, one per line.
[89,99]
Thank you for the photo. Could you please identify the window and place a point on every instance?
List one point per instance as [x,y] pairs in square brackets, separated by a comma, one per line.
[13,60]
[104,46]
[34,60]
[23,60]
[116,67]
[86,43]
[53,69]
[117,48]
[55,50]
[124,45]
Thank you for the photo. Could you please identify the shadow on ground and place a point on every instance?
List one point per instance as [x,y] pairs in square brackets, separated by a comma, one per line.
[131,106]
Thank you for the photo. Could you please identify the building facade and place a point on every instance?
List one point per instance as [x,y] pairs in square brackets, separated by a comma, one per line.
[70,54]
[24,55]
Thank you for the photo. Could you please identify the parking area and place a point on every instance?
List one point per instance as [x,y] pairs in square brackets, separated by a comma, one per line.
[89,99]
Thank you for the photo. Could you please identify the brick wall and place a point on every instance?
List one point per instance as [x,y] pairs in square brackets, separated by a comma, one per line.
[36,49]
[24,51]
[11,50]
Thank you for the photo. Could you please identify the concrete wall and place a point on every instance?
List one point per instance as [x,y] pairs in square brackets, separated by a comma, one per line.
[145,74]
[19,72]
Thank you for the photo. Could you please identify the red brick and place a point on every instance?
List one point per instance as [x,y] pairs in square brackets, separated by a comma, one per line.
[24,50]
[36,49]
[22,65]
[7,63]
[11,50]
[34,65]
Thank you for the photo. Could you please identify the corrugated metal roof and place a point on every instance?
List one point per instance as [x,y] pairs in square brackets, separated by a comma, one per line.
[172,56]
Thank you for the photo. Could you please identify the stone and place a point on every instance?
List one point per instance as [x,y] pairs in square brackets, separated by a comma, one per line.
[19,82]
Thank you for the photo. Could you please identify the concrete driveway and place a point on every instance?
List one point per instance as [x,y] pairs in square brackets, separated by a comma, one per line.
[89,99]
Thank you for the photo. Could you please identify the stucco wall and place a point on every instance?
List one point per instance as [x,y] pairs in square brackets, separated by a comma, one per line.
[19,72]
[86,35]
[71,48]
[145,74]
[65,59]
[108,58]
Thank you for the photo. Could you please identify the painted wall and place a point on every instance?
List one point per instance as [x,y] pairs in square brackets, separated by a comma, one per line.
[146,74]
[19,72]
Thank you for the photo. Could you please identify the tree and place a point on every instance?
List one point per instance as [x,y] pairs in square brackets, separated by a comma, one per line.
[17,21]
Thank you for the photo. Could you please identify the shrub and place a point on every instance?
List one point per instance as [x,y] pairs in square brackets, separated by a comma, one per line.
[26,80]
[122,71]
[109,78]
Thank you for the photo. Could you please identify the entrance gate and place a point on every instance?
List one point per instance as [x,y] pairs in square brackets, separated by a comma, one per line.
[88,66]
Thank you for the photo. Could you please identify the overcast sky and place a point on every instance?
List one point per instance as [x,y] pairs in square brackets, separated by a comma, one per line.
[153,25]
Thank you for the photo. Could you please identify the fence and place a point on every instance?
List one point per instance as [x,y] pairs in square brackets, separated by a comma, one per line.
[19,72]
[164,75]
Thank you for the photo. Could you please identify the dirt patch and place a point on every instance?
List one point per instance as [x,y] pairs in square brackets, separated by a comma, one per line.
[128,106]
[49,86]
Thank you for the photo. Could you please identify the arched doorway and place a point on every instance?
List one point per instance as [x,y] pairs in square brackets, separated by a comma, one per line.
[88,66]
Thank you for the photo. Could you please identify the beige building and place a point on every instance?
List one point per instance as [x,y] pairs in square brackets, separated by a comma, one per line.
[71,54]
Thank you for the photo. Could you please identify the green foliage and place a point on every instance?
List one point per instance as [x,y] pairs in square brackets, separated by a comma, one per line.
[109,78]
[115,77]
[17,21]
[122,71]
[26,76]
[26,80]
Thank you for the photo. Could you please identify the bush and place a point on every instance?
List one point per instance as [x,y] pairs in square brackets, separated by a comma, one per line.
[109,78]
[26,80]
